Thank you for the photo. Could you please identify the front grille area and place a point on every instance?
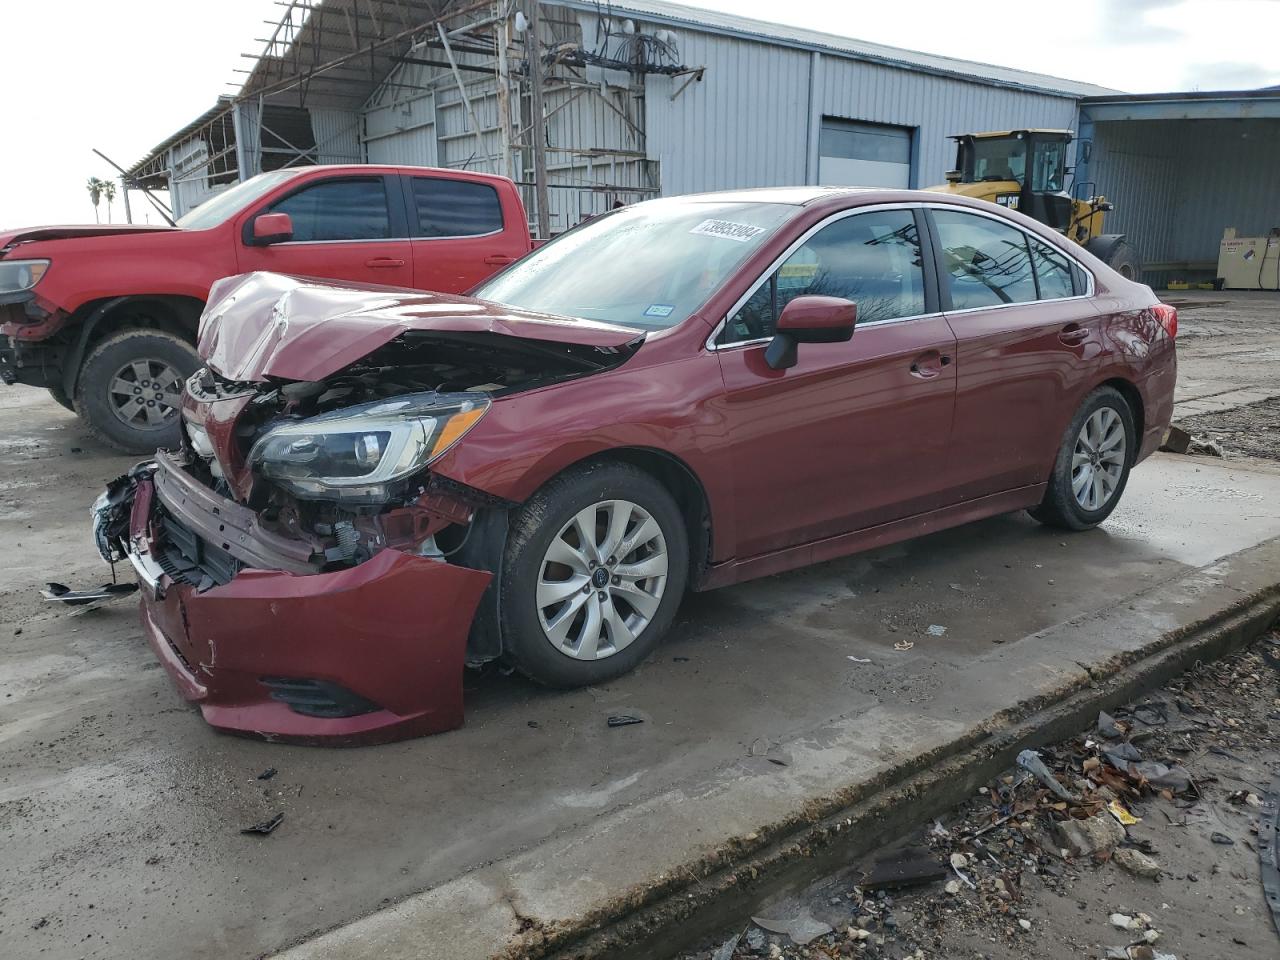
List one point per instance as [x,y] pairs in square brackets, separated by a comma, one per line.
[188,558]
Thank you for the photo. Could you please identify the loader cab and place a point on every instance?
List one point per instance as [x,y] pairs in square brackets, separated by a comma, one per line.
[1026,170]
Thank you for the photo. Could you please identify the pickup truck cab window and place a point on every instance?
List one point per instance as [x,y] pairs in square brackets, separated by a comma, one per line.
[347,209]
[453,208]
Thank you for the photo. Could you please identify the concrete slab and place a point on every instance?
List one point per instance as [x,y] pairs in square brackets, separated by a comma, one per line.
[120,810]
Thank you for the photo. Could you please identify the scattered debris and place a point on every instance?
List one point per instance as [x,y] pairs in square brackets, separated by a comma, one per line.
[903,645]
[265,827]
[1222,839]
[1090,837]
[1208,448]
[623,720]
[908,869]
[61,593]
[857,659]
[936,630]
[728,947]
[1176,440]
[802,929]
[1137,863]
[267,774]
[1122,815]
[1030,761]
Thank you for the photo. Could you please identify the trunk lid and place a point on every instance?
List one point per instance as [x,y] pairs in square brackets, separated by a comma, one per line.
[266,325]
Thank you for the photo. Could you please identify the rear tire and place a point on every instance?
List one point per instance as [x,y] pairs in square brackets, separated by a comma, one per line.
[1092,467]
[569,622]
[130,389]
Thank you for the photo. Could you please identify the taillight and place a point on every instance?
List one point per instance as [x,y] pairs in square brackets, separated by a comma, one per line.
[1168,317]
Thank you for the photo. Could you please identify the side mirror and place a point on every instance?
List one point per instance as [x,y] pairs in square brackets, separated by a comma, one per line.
[272,228]
[810,320]
[953,176]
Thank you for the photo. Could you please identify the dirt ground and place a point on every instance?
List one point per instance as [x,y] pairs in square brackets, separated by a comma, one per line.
[1005,889]
[1249,431]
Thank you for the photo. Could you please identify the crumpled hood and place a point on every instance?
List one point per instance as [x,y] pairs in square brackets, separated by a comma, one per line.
[9,238]
[261,325]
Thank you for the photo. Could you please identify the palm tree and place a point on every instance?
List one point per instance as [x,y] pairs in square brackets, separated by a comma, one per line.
[108,194]
[94,186]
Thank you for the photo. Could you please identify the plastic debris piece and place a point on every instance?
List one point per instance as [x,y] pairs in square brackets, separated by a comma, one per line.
[1121,813]
[1221,838]
[265,827]
[267,774]
[726,949]
[61,593]
[623,720]
[1107,726]
[803,928]
[908,869]
[857,659]
[1030,761]
[936,630]
[903,645]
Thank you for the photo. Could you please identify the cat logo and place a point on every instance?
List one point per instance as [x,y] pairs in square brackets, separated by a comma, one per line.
[1009,200]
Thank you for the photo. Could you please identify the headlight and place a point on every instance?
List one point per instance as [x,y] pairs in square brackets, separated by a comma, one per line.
[357,453]
[19,275]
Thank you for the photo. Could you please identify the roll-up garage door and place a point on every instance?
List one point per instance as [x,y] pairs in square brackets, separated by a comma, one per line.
[856,154]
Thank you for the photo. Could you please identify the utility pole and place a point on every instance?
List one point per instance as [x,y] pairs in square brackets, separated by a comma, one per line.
[505,131]
[533,56]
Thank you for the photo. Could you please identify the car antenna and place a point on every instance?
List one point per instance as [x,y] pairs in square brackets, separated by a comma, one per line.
[160,207]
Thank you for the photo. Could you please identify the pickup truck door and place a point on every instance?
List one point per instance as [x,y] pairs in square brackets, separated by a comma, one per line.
[462,231]
[344,228]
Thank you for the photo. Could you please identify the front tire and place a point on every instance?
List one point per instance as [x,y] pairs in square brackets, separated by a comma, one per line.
[1092,467]
[130,389]
[595,567]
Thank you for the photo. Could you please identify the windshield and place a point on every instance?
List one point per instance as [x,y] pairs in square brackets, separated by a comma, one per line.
[218,208]
[649,266]
[999,158]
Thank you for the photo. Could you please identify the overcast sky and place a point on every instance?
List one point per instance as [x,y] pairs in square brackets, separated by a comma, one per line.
[123,75]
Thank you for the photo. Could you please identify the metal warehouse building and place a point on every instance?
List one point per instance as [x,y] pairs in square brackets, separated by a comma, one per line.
[643,98]
[640,99]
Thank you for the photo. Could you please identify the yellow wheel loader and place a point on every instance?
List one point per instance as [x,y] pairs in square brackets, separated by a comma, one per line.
[1026,170]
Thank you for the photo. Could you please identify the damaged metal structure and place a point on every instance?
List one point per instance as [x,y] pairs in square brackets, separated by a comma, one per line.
[437,83]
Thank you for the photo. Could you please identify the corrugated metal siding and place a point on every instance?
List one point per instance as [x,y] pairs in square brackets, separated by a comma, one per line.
[744,125]
[1177,184]
[337,136]
[935,106]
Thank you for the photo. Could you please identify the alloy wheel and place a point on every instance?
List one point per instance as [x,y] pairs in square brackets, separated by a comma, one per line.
[145,393]
[602,579]
[1097,463]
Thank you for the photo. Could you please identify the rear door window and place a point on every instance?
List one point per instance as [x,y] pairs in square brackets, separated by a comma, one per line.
[984,263]
[870,258]
[454,208]
[1053,272]
[347,209]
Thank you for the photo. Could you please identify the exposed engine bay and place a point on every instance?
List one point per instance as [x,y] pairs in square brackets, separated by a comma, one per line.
[341,463]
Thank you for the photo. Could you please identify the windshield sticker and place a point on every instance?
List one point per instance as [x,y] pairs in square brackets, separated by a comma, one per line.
[727,230]
[660,310]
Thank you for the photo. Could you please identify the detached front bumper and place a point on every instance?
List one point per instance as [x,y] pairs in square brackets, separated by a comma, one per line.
[364,654]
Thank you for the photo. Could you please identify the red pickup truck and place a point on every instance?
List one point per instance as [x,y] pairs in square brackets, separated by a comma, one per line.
[105,317]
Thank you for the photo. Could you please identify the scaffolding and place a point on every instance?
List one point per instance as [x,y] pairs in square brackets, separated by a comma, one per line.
[545,94]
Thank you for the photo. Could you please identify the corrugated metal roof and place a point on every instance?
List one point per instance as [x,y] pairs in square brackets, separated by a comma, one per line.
[764,31]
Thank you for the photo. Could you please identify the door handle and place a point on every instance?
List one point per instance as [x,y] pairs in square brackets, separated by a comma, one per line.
[499,260]
[1073,333]
[384,262]
[928,365]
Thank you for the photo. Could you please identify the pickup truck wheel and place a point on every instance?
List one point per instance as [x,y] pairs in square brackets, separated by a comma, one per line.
[130,389]
[595,568]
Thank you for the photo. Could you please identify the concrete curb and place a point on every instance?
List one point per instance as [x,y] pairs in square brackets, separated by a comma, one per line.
[659,874]
[886,809]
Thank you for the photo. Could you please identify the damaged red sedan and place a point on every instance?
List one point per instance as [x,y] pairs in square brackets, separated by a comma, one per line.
[377,488]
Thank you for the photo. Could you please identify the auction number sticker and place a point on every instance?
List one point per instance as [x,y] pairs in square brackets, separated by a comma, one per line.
[660,310]
[727,230]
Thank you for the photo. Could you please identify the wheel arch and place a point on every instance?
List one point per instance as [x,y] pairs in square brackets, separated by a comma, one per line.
[172,313]
[685,485]
[1132,396]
